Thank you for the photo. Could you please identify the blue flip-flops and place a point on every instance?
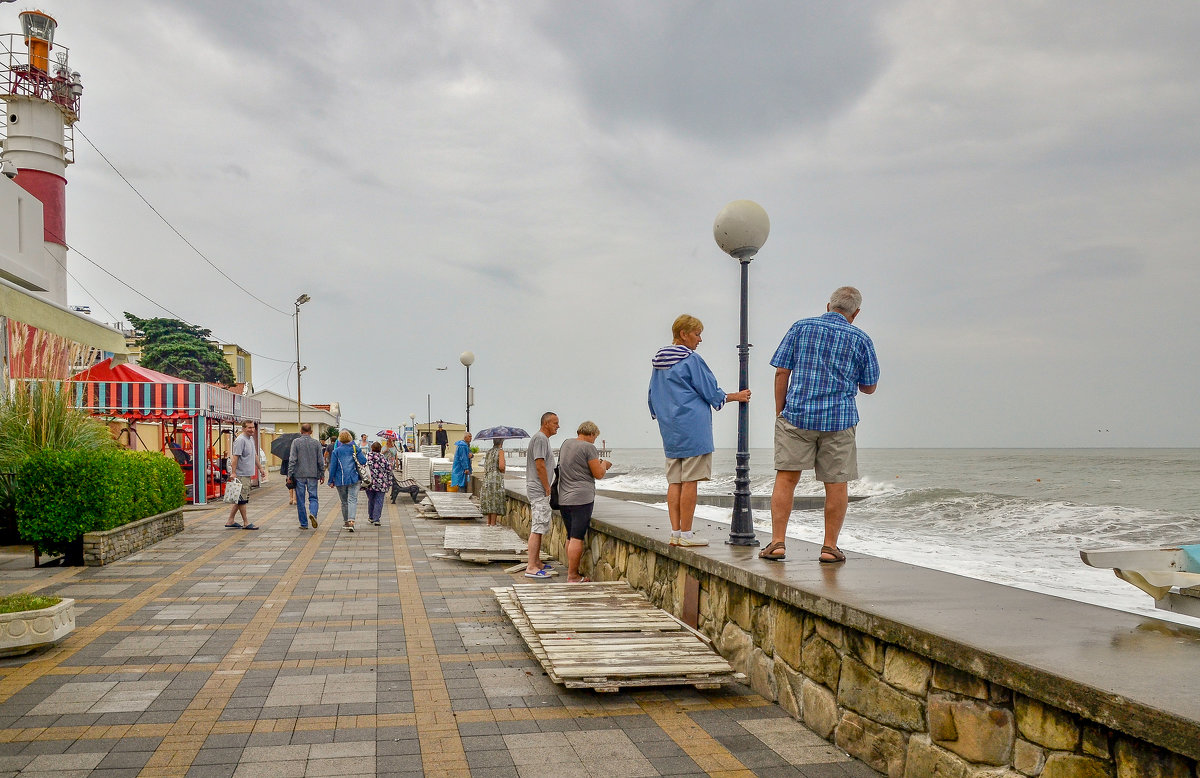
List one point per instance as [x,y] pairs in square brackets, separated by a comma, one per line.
[543,573]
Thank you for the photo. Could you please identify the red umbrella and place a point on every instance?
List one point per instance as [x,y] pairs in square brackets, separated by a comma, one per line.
[387,435]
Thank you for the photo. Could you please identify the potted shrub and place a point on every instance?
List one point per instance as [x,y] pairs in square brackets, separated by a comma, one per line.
[29,621]
[443,484]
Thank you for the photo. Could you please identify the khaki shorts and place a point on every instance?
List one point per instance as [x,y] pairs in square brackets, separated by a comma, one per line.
[833,455]
[689,469]
[244,497]
[539,513]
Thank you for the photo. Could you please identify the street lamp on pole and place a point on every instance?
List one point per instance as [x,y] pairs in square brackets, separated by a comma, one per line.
[468,359]
[740,230]
[301,300]
[412,418]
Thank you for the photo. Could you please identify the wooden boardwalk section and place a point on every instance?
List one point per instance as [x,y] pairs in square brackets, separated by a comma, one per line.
[453,505]
[606,636]
[482,544]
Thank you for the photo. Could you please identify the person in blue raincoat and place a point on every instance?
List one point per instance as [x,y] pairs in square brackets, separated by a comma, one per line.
[343,474]
[683,394]
[460,469]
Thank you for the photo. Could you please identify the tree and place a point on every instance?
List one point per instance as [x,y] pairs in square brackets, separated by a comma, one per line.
[179,349]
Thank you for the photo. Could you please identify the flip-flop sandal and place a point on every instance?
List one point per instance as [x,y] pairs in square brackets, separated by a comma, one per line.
[250,526]
[832,551]
[233,526]
[585,579]
[539,574]
[774,552]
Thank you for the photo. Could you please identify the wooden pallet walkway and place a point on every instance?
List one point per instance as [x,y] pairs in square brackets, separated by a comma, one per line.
[453,505]
[606,636]
[482,544]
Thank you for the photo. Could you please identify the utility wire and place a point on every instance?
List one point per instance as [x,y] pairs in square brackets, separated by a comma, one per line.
[199,253]
[154,302]
[77,281]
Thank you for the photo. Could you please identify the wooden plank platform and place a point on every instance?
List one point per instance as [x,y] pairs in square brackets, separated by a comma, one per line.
[454,505]
[482,544]
[606,636]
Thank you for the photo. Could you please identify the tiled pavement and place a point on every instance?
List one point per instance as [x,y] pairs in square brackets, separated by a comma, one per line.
[290,653]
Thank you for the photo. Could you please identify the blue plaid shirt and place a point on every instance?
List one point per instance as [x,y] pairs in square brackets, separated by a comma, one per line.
[829,357]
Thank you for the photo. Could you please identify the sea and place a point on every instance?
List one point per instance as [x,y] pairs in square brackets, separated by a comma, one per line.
[1017,517]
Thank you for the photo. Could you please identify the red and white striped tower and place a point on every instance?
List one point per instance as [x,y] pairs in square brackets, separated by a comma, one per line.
[41,95]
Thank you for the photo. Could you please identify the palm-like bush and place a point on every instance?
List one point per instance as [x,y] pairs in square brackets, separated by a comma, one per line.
[39,414]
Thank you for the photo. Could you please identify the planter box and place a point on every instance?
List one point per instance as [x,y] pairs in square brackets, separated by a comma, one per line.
[103,548]
[22,632]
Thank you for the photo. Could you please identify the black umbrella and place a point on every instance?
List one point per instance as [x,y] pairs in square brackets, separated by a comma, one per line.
[282,445]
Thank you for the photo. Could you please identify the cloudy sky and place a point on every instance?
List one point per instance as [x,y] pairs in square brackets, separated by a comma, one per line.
[1013,186]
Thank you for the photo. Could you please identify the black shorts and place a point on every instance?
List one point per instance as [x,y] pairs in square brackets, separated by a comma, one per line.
[577,518]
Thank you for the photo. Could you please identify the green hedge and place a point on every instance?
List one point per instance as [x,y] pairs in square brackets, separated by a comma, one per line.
[63,494]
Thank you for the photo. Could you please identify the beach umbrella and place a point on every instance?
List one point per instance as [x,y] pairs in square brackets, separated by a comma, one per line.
[282,445]
[387,435]
[500,433]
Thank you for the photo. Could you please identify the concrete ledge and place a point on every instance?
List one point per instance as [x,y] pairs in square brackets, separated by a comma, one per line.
[103,548]
[903,659]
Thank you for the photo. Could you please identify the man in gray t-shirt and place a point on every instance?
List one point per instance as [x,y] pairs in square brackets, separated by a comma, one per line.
[245,465]
[539,471]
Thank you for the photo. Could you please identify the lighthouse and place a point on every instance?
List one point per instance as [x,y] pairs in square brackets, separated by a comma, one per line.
[41,97]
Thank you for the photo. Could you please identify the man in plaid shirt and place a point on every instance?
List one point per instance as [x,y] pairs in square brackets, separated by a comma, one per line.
[819,367]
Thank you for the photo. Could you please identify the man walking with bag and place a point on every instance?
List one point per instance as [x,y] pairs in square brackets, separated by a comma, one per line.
[306,462]
[244,466]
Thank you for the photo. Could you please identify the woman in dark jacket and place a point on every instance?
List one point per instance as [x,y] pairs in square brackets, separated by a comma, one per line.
[343,475]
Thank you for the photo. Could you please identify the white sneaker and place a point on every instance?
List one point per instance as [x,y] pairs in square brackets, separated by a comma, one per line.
[694,540]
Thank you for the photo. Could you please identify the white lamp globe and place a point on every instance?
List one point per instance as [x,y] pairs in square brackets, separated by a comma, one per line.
[467,358]
[741,228]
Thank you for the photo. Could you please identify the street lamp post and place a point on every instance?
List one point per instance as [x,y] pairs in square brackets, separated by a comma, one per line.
[740,230]
[468,359]
[412,418]
[301,300]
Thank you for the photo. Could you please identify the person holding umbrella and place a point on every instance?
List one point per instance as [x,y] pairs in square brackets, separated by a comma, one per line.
[492,501]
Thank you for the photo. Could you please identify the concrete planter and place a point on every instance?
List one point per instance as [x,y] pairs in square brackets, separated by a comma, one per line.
[24,631]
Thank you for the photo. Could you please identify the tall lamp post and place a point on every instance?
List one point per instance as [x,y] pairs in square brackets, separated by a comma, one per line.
[301,300]
[412,418]
[740,230]
[468,359]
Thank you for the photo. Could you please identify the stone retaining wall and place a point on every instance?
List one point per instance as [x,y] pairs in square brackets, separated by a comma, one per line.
[905,713]
[103,548]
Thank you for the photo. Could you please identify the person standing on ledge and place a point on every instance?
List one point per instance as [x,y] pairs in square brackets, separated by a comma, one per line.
[820,365]
[441,438]
[683,394]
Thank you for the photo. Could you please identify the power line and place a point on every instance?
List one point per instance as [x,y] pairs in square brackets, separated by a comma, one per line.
[199,253]
[154,302]
[76,280]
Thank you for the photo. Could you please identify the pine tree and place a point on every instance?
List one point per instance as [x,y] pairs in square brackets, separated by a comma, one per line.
[179,349]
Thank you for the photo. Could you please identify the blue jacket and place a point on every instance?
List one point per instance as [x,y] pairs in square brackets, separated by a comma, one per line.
[460,470]
[683,394]
[342,471]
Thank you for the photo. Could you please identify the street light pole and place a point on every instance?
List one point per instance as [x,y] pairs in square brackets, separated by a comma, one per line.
[740,230]
[412,418]
[468,359]
[301,300]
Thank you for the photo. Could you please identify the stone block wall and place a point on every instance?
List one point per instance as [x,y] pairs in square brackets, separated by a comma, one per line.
[103,548]
[905,714]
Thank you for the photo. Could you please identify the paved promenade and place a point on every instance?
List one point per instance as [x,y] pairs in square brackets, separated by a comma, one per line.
[290,653]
